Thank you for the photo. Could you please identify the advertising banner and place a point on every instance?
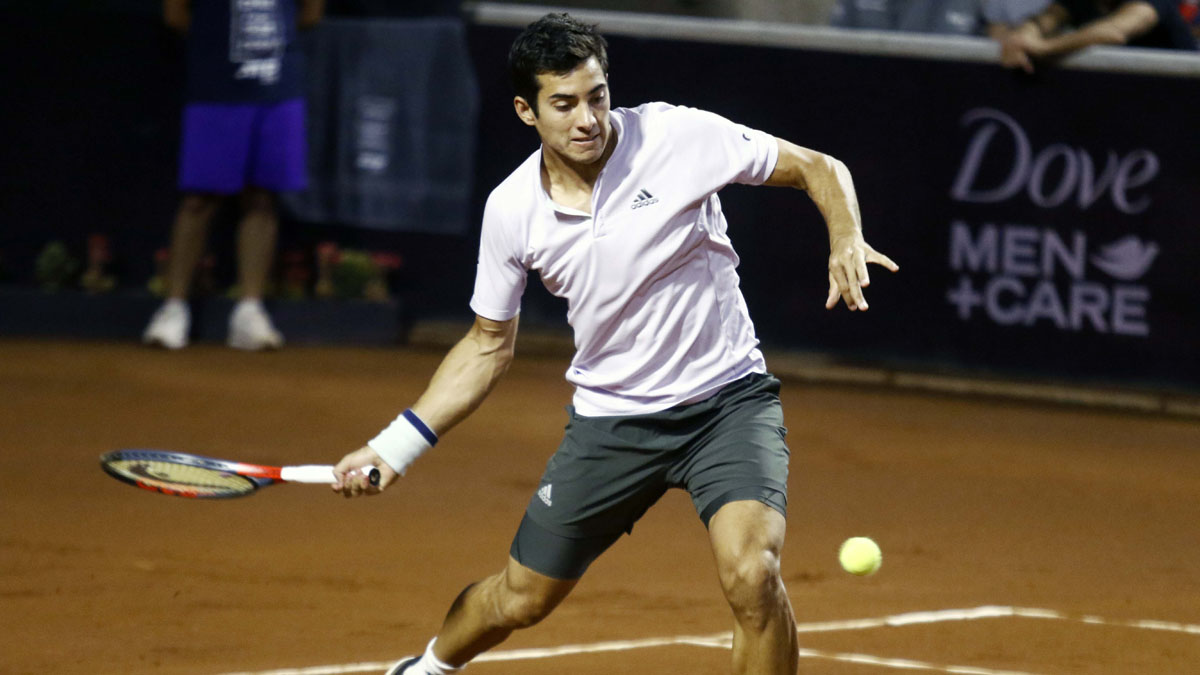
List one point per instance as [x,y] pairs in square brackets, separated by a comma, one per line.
[1045,224]
[392,118]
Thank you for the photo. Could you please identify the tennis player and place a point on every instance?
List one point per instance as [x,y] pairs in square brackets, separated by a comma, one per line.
[618,212]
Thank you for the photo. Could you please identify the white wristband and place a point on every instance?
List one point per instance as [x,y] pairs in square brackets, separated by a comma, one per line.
[404,440]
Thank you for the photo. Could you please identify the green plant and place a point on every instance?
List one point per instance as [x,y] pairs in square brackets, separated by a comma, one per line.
[55,267]
[351,273]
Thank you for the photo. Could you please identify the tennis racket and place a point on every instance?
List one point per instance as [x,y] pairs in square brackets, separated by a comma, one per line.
[184,475]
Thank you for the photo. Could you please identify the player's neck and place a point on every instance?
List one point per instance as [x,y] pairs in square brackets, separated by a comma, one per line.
[571,183]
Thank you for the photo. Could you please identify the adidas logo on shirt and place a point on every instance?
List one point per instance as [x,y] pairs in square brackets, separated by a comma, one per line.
[544,494]
[643,199]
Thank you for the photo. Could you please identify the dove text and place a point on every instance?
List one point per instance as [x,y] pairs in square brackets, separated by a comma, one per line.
[1051,176]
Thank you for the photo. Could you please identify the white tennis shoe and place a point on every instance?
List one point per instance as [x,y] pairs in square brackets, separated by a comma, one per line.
[169,326]
[250,328]
[403,665]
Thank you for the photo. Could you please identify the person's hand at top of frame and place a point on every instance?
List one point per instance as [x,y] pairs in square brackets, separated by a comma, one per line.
[177,14]
[350,474]
[848,258]
[1020,47]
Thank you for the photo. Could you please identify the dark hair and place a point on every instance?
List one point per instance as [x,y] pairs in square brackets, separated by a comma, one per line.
[555,43]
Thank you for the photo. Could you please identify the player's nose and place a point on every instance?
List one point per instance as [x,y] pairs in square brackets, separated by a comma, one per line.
[586,119]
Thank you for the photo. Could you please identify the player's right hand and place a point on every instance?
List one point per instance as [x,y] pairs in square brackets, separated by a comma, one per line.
[350,474]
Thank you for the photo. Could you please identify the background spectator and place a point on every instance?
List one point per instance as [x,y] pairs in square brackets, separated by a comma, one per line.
[1190,11]
[1140,23]
[243,134]
[950,17]
[1002,16]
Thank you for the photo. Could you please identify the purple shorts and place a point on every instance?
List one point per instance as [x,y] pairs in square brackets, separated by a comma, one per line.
[228,146]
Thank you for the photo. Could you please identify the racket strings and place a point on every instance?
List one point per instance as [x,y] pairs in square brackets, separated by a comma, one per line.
[172,477]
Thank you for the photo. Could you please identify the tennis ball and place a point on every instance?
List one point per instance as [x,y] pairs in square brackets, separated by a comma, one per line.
[860,556]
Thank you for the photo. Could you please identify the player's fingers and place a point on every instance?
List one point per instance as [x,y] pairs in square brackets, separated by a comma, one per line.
[358,484]
[832,298]
[369,488]
[860,266]
[844,283]
[878,258]
[339,480]
[856,294]
[846,271]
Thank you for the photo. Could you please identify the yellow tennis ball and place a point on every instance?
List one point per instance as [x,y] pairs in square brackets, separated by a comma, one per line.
[860,556]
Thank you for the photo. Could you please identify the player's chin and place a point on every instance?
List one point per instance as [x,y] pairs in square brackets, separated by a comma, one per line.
[586,153]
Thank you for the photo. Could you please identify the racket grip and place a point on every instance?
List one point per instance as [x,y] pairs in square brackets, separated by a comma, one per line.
[308,473]
[319,474]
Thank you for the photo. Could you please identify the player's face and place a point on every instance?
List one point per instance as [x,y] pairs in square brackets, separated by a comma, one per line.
[572,118]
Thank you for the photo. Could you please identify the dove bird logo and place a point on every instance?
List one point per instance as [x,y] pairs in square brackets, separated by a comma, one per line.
[1127,259]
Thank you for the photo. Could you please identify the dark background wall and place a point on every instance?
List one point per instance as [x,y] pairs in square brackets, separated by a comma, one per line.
[92,124]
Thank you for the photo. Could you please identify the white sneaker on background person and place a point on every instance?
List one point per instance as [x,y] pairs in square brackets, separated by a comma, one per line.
[250,328]
[170,325]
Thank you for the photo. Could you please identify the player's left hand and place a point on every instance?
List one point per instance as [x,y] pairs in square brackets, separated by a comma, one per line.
[848,258]
[350,474]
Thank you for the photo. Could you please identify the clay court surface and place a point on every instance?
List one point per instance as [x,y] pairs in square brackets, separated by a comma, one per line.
[1017,537]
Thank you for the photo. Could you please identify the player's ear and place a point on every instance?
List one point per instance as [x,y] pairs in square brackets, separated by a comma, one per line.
[525,111]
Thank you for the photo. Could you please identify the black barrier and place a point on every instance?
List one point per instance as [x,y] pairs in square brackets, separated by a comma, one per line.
[1044,224]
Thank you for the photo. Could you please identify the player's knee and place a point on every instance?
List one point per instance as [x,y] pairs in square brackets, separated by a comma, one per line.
[524,609]
[752,584]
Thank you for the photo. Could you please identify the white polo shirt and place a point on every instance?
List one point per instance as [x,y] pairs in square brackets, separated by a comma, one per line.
[649,275]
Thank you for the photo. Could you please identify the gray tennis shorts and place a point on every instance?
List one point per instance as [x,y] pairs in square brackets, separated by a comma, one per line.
[608,471]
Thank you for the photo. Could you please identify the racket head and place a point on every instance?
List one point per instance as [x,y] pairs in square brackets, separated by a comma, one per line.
[179,474]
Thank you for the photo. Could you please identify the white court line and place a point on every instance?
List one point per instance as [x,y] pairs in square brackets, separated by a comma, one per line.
[725,640]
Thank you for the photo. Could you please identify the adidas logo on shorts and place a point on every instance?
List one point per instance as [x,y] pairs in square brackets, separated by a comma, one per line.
[544,494]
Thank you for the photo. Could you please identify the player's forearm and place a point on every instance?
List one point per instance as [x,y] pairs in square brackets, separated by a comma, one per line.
[466,376]
[827,182]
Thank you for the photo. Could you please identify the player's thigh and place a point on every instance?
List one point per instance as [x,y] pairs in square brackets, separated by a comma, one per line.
[746,538]
[746,528]
[602,478]
[552,555]
[743,455]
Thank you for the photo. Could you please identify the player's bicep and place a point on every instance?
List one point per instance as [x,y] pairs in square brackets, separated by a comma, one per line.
[797,166]
[496,331]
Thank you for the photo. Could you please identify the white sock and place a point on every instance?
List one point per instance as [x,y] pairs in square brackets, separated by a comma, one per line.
[176,303]
[249,303]
[430,665]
